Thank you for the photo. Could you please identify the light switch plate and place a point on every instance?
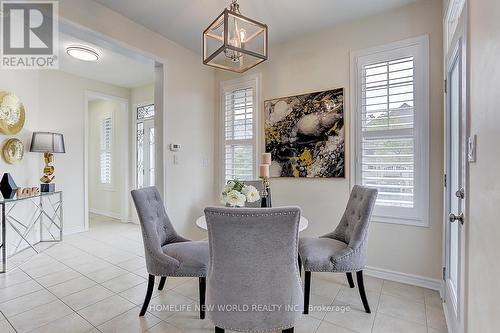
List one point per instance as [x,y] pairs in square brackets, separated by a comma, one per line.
[174,147]
[471,149]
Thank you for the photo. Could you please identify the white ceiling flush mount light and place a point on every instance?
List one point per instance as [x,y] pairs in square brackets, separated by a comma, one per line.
[83,53]
[234,42]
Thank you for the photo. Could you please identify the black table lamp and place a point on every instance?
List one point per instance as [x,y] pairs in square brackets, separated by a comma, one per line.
[47,143]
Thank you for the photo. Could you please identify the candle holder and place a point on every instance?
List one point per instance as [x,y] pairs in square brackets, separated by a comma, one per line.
[265,201]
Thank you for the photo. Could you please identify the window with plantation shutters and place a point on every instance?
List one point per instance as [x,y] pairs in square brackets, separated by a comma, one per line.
[106,150]
[239,129]
[391,128]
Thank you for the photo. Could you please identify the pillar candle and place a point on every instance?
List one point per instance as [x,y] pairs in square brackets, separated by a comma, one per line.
[264,171]
[266,158]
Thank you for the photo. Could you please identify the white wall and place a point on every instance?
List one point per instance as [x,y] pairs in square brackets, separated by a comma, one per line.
[106,199]
[143,94]
[484,183]
[321,61]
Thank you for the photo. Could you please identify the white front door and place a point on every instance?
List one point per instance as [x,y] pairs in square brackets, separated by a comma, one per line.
[456,168]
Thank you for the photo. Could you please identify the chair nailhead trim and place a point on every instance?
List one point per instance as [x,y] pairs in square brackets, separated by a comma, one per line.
[249,214]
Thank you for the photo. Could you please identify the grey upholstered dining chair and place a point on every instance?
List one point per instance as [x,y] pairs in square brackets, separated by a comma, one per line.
[343,250]
[167,253]
[253,265]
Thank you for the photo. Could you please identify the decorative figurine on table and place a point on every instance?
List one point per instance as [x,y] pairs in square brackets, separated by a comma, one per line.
[264,175]
[48,144]
[8,187]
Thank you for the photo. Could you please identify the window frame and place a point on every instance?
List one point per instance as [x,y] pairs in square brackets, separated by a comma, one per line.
[247,81]
[418,48]
[111,185]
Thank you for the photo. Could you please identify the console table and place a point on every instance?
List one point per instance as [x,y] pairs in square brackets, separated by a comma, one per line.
[46,212]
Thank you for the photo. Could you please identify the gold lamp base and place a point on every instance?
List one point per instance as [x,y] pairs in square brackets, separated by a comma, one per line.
[48,174]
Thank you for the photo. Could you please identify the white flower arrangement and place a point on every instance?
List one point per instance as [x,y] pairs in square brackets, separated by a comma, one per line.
[236,193]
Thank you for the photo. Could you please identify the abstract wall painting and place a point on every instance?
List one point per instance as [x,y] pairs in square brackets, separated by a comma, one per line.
[305,135]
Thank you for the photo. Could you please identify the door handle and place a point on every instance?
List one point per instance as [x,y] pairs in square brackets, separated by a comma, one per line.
[460,217]
[460,193]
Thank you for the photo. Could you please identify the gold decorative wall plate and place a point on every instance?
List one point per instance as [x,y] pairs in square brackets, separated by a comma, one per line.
[12,113]
[13,151]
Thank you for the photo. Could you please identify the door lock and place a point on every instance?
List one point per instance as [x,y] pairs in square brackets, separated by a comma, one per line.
[460,217]
[460,193]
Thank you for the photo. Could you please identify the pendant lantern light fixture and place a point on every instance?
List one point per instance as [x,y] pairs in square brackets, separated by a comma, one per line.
[234,42]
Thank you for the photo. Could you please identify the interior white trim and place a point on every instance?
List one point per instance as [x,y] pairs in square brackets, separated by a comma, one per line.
[451,19]
[415,280]
[73,230]
[105,213]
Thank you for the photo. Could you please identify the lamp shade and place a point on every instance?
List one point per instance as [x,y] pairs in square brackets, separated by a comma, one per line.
[43,142]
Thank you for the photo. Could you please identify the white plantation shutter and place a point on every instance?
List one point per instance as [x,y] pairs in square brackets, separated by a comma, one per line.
[106,150]
[391,129]
[239,134]
[239,130]
[387,124]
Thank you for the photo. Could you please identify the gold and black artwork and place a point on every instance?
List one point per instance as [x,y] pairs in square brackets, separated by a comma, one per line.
[305,135]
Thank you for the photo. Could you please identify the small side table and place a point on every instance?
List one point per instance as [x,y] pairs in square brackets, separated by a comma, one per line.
[47,212]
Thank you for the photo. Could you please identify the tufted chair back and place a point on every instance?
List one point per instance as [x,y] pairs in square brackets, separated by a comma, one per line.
[253,263]
[353,227]
[157,230]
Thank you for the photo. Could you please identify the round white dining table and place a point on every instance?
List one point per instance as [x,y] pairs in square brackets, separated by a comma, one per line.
[202,223]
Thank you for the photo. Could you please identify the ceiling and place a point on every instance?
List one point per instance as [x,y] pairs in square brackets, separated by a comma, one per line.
[112,67]
[183,21]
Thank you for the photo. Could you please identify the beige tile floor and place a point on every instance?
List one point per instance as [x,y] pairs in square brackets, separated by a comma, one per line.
[95,282]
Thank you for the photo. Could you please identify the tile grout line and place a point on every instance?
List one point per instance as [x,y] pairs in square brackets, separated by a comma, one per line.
[59,300]
[7,319]
[378,304]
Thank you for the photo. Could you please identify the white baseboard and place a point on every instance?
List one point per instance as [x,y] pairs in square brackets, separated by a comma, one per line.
[415,280]
[105,213]
[73,230]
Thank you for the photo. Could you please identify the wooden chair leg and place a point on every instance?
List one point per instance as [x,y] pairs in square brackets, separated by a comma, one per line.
[349,279]
[307,291]
[149,292]
[219,330]
[288,330]
[162,282]
[202,287]
[362,293]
